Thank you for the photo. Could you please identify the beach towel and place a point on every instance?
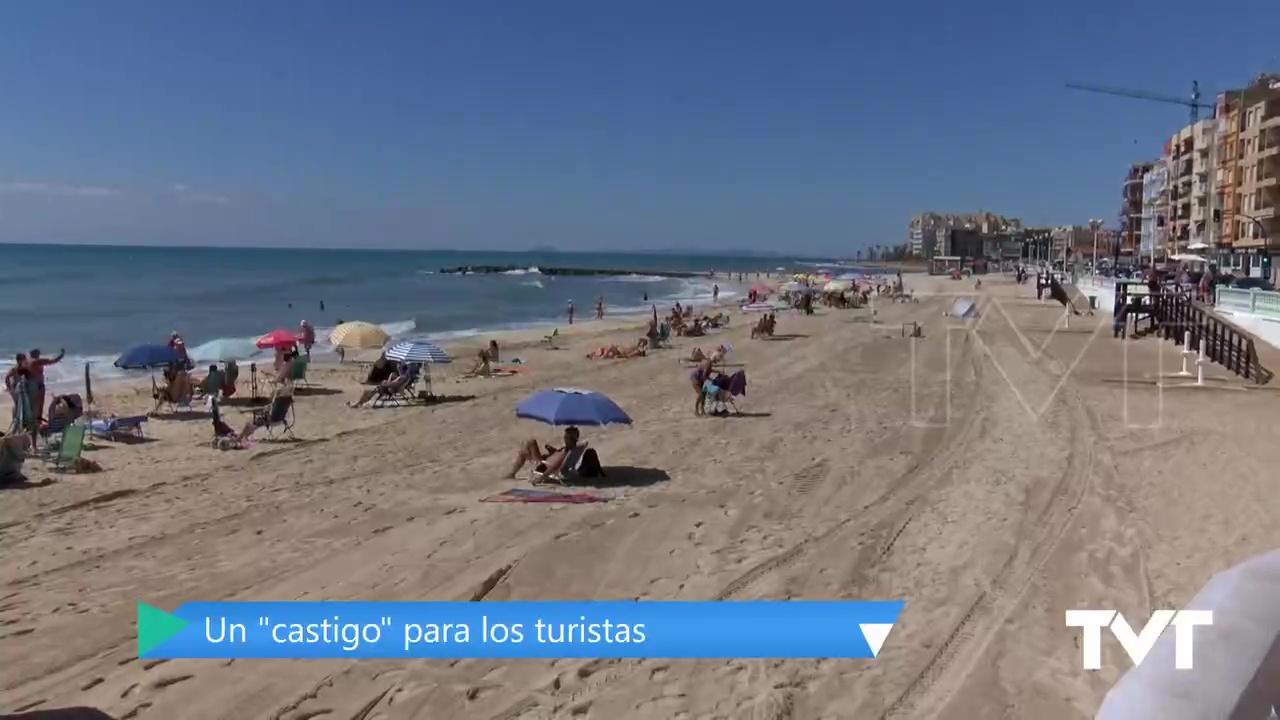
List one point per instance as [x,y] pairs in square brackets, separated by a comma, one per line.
[526,495]
[735,384]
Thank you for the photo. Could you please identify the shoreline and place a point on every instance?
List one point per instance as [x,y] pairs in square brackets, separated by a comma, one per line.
[462,349]
[323,353]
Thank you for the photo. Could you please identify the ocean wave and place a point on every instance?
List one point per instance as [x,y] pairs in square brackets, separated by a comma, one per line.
[532,283]
[533,270]
[633,277]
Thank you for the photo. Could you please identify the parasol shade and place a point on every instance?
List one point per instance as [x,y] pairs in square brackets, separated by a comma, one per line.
[570,406]
[277,339]
[417,351]
[358,336]
[145,357]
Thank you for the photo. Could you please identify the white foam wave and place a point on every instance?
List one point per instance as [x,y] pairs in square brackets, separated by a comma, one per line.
[532,270]
[633,277]
[532,283]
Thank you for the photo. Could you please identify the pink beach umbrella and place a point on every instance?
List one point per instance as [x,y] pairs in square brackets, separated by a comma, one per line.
[277,339]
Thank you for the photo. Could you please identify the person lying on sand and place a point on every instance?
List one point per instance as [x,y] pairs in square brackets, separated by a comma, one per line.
[614,352]
[391,385]
[545,464]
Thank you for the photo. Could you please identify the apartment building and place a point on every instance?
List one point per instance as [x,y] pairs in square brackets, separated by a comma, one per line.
[929,234]
[1258,189]
[1155,210]
[1247,172]
[1131,209]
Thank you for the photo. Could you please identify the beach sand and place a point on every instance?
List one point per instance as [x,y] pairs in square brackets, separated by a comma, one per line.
[991,477]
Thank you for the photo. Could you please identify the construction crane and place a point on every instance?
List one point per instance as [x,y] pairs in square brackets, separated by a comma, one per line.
[1194,103]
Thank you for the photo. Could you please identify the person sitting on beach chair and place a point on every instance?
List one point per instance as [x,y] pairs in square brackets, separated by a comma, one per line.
[212,384]
[278,410]
[176,392]
[550,463]
[388,388]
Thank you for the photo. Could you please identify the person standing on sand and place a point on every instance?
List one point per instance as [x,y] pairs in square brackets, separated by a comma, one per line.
[36,366]
[599,307]
[715,293]
[570,312]
[699,376]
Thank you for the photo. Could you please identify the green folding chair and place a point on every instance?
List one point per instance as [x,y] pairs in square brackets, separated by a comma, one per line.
[70,448]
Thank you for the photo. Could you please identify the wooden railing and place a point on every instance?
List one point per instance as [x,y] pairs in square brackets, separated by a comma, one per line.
[1173,314]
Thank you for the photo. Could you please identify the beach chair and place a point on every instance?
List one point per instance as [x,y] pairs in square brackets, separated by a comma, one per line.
[52,430]
[70,448]
[224,436]
[278,418]
[567,471]
[112,428]
[664,334]
[182,404]
[400,392]
[550,340]
[299,374]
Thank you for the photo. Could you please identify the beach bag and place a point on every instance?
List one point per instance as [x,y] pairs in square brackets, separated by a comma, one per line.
[589,466]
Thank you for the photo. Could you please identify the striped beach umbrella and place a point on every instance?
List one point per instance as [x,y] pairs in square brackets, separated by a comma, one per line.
[358,336]
[417,351]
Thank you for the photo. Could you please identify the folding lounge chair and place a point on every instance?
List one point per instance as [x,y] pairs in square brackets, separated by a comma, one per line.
[400,392]
[224,436]
[567,470]
[278,418]
[179,405]
[664,335]
[70,448]
[550,340]
[58,422]
[111,428]
[299,374]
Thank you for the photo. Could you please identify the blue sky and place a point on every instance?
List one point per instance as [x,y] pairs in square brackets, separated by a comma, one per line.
[806,126]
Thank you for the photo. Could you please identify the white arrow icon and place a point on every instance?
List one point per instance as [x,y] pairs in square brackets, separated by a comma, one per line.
[875,634]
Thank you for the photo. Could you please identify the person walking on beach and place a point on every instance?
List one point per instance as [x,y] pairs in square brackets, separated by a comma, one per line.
[715,293]
[35,376]
[599,307]
[307,336]
[570,312]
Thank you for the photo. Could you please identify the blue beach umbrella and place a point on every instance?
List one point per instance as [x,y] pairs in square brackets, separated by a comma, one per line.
[569,406]
[417,351]
[146,357]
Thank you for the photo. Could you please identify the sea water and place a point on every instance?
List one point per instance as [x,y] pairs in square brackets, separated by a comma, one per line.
[97,301]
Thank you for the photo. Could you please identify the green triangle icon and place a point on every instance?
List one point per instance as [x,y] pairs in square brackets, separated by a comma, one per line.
[156,626]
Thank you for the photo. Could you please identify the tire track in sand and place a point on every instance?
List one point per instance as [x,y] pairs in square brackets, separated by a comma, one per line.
[946,671]
[895,502]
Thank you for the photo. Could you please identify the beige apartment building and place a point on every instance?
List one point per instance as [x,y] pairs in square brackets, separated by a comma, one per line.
[1248,170]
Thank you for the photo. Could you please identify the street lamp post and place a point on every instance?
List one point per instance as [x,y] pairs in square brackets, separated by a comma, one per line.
[1095,225]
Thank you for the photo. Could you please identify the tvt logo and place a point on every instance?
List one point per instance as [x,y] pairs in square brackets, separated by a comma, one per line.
[1137,645]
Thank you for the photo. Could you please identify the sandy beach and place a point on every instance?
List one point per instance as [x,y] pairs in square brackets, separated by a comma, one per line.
[992,475]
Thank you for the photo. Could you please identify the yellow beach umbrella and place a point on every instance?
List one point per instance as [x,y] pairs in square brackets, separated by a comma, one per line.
[358,336]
